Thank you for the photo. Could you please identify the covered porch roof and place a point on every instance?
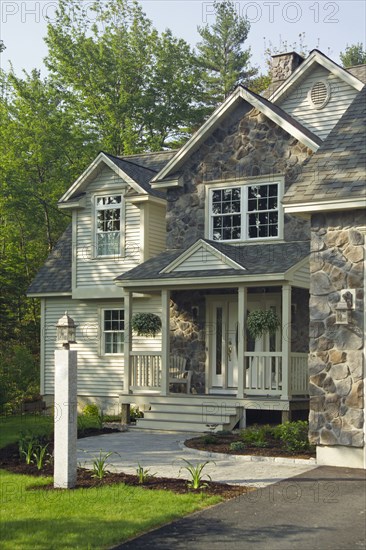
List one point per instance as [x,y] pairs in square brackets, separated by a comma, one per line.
[210,262]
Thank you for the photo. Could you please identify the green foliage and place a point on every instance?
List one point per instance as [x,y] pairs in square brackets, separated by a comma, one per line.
[91,410]
[209,439]
[260,322]
[196,472]
[256,436]
[146,324]
[143,474]
[221,55]
[354,54]
[99,465]
[135,413]
[293,435]
[237,446]
[19,378]
[40,454]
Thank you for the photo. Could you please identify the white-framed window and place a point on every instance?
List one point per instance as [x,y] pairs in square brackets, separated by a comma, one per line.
[113,331]
[245,212]
[108,223]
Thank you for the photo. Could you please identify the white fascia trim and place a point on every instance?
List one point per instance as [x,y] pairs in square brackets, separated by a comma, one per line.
[258,279]
[74,205]
[316,57]
[89,172]
[167,183]
[196,246]
[321,206]
[146,198]
[200,135]
[48,294]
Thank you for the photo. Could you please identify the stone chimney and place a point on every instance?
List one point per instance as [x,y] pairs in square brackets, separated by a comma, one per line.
[283,65]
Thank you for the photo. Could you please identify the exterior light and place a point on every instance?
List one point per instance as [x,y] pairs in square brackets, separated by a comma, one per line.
[66,331]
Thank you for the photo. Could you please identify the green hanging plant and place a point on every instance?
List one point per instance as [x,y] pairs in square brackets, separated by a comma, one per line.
[260,322]
[146,324]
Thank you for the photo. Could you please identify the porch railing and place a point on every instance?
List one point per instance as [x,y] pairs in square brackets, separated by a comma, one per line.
[299,374]
[145,370]
[263,373]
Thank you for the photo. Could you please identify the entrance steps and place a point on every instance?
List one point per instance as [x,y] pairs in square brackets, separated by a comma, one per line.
[186,416]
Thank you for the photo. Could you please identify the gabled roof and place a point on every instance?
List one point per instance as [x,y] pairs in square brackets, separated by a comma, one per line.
[54,277]
[136,170]
[273,112]
[335,176]
[315,57]
[251,263]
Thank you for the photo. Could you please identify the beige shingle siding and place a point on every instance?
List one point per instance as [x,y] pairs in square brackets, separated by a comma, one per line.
[337,170]
[98,375]
[319,121]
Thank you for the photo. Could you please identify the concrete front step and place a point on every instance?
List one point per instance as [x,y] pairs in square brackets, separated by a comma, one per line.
[183,416]
[196,408]
[175,426]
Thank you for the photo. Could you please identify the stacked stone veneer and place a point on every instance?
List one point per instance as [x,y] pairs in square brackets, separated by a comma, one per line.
[246,144]
[336,356]
[188,333]
[283,65]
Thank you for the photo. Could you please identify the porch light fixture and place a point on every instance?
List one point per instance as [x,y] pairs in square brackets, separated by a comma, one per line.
[66,331]
[344,308]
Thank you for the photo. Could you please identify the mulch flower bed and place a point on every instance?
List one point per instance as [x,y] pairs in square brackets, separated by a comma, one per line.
[222,445]
[10,460]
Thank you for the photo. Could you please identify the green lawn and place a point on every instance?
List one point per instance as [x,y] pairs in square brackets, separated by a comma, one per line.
[82,518]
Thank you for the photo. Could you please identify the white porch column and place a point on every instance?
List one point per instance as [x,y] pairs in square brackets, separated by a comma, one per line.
[165,343]
[286,341]
[128,342]
[242,305]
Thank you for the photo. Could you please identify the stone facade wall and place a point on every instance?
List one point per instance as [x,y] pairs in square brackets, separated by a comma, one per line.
[188,333]
[336,357]
[246,144]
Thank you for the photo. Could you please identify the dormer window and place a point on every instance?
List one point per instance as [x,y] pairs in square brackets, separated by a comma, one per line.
[108,225]
[245,212]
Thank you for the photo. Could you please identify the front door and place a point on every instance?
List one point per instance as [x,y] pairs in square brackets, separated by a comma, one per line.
[224,343]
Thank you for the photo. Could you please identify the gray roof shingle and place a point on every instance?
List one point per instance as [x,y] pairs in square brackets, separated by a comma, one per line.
[55,275]
[260,259]
[337,170]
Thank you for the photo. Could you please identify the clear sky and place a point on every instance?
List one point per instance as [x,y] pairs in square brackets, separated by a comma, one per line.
[328,26]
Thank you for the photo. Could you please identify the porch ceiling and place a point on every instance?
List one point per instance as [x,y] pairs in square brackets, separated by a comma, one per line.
[256,263]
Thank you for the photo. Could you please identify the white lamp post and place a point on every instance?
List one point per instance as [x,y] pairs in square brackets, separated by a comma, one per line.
[65,463]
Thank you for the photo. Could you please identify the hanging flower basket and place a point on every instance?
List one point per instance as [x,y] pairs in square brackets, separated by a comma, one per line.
[260,322]
[146,324]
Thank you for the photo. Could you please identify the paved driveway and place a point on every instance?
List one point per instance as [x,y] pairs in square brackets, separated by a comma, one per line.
[164,452]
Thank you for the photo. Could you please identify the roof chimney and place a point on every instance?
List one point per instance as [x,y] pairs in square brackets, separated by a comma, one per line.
[283,65]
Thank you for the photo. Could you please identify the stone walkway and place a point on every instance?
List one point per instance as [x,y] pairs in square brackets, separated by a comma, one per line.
[163,454]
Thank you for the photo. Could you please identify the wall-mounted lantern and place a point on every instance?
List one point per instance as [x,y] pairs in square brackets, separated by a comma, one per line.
[344,307]
[66,331]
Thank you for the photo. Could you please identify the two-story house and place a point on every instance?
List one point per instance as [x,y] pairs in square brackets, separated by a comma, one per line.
[200,237]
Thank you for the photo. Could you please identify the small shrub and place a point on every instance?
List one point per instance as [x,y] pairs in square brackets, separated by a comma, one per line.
[256,436]
[293,435]
[196,473]
[209,439]
[143,474]
[135,413]
[237,446]
[91,410]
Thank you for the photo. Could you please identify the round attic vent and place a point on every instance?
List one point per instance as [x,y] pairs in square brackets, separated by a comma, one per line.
[319,95]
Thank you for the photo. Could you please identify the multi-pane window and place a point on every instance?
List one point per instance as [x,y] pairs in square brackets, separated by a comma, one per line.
[113,330]
[262,211]
[108,225]
[244,212]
